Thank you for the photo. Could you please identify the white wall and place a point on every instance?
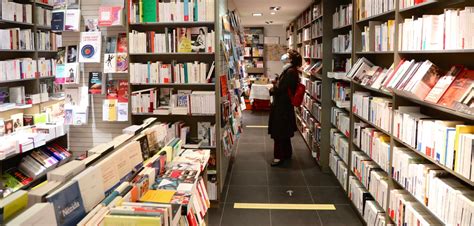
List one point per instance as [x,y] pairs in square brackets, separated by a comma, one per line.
[274,67]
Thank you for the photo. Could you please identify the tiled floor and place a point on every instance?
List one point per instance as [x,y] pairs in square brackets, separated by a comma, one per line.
[252,180]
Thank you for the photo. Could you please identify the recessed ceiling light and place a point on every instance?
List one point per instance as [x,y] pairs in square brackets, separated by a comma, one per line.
[257,14]
[269,22]
[273,12]
[275,8]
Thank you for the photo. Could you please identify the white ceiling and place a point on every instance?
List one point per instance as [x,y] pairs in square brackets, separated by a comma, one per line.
[290,9]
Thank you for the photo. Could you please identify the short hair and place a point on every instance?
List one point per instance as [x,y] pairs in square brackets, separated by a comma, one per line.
[295,58]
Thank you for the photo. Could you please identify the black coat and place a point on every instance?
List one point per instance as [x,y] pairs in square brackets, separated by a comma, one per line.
[282,121]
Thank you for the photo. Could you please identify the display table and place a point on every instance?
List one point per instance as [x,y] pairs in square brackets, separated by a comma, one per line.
[260,96]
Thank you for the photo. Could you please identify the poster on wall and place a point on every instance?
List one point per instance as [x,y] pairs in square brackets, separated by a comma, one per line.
[90,46]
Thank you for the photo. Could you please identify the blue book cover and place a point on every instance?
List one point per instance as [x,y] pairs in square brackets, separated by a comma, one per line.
[68,205]
[186,10]
[57,21]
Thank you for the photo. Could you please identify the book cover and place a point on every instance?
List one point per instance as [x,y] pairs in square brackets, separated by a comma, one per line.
[184,40]
[72,20]
[224,88]
[71,71]
[61,55]
[122,112]
[17,121]
[158,196]
[9,126]
[95,82]
[122,62]
[57,20]
[111,45]
[90,47]
[110,15]
[68,204]
[457,89]
[122,91]
[68,116]
[110,63]
[28,120]
[122,43]
[198,39]
[204,132]
[443,84]
[91,24]
[60,74]
[150,12]
[112,89]
[72,54]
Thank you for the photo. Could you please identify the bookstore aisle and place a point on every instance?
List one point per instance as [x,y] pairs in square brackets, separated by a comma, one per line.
[252,180]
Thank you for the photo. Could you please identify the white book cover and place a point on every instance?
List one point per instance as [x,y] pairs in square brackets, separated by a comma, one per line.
[90,47]
[90,186]
[72,20]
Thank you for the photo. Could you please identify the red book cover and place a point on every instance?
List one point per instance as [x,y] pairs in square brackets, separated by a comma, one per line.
[122,43]
[224,89]
[122,92]
[457,89]
[386,82]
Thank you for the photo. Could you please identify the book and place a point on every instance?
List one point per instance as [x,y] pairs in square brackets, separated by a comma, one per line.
[57,20]
[111,45]
[91,24]
[95,83]
[71,54]
[443,84]
[72,19]
[122,43]
[71,72]
[110,63]
[90,47]
[457,89]
[68,204]
[110,16]
[122,62]
[198,39]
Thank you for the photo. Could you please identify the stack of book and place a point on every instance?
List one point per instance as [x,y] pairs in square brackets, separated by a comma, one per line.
[306,34]
[451,30]
[314,50]
[182,11]
[339,168]
[374,143]
[342,17]
[377,110]
[341,120]
[179,73]
[405,210]
[12,11]
[313,88]
[342,43]
[370,8]
[17,69]
[379,36]
[364,203]
[317,29]
[340,144]
[46,67]
[341,94]
[16,39]
[43,16]
[173,40]
[46,40]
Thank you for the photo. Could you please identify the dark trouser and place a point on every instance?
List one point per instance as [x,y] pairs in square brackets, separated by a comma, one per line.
[282,148]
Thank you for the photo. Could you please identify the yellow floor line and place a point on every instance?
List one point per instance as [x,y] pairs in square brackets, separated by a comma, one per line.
[256,126]
[278,206]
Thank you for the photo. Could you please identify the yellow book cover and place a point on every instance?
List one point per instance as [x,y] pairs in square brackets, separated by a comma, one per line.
[460,129]
[14,204]
[140,8]
[159,196]
[122,220]
[112,110]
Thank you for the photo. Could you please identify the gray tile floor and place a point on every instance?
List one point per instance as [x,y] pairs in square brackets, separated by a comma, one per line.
[252,180]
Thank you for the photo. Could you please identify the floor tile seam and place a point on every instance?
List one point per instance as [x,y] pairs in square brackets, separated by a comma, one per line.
[268,181]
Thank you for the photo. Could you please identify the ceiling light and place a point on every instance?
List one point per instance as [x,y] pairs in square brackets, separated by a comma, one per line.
[269,22]
[273,12]
[257,14]
[275,8]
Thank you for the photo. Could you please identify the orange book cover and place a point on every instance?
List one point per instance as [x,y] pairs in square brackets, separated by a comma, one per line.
[457,89]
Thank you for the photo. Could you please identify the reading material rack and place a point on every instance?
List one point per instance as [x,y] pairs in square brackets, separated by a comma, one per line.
[442,58]
[32,85]
[220,9]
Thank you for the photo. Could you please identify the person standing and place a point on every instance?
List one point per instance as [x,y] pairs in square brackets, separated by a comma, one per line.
[282,121]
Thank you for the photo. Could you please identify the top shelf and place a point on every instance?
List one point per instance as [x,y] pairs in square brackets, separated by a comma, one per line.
[418,6]
[174,24]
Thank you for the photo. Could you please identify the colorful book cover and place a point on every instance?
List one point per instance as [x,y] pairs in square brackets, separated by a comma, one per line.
[158,196]
[17,121]
[28,120]
[110,63]
[9,126]
[71,73]
[60,74]
[112,89]
[122,43]
[122,91]
[457,89]
[61,56]
[110,15]
[72,20]
[68,205]
[90,47]
[122,62]
[95,82]
[184,40]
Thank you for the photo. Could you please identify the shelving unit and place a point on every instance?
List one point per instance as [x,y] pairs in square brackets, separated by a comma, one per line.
[32,86]
[254,54]
[442,58]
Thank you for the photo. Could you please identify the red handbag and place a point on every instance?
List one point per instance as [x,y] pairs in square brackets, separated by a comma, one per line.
[297,98]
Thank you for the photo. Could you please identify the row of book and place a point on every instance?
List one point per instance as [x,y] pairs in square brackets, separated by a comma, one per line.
[179,40]
[16,39]
[33,165]
[314,12]
[185,102]
[341,120]
[43,16]
[371,176]
[373,214]
[341,93]
[339,168]
[339,144]
[313,88]
[17,12]
[430,186]
[377,110]
[446,142]
[46,40]
[373,143]
[405,210]
[378,36]
[256,51]
[312,106]
[158,72]
[342,65]
[343,16]
[410,3]
[451,30]
[66,19]
[313,69]
[315,31]
[370,8]
[149,11]
[314,50]
[16,69]
[342,43]
[420,80]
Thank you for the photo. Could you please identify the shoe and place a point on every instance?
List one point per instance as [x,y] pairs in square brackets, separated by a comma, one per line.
[274,164]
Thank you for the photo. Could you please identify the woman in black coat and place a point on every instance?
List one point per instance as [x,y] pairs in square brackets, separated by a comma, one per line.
[282,121]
